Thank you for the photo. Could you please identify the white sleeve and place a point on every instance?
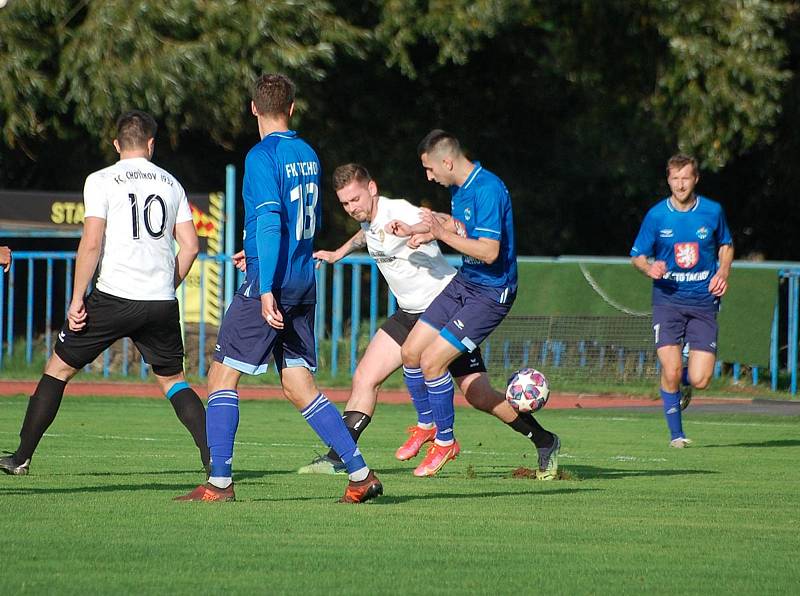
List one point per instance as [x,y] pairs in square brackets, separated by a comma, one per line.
[95,200]
[184,211]
[405,212]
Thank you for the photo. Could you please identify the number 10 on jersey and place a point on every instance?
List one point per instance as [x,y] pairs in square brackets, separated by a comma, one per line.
[306,209]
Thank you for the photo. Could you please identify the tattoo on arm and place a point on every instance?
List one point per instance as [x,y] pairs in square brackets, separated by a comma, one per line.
[358,241]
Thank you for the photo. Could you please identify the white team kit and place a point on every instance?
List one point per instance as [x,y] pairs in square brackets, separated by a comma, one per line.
[141,204]
[415,275]
[135,291]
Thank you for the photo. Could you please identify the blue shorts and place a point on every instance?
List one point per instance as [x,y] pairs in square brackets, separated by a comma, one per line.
[465,315]
[674,325]
[245,341]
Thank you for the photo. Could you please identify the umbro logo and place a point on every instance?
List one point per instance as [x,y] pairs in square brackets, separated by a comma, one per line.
[217,348]
[61,336]
[458,323]
[665,233]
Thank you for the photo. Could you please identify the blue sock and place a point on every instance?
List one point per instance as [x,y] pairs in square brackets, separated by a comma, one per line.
[415,383]
[440,394]
[326,421]
[222,420]
[672,412]
[685,376]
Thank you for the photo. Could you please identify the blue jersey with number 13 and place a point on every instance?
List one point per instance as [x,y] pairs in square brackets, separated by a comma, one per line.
[282,176]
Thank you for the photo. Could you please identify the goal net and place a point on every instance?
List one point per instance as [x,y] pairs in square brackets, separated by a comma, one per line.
[600,349]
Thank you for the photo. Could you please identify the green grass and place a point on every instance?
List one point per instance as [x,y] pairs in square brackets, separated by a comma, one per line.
[637,517]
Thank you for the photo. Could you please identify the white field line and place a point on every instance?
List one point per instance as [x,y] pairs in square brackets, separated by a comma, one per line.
[691,422]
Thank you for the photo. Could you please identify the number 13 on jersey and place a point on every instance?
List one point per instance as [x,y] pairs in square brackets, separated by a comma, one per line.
[306,195]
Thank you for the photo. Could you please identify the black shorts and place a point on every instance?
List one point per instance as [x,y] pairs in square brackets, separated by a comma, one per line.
[153,325]
[399,325]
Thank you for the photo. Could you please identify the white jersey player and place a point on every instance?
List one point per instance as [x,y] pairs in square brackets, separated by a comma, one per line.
[416,272]
[141,205]
[134,211]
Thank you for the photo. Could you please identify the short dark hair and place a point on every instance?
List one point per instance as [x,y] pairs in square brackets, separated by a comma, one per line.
[344,175]
[681,160]
[273,94]
[437,140]
[135,129]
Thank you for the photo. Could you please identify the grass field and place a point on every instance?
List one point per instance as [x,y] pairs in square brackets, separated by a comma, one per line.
[96,516]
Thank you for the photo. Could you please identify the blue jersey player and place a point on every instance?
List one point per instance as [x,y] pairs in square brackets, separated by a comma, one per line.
[476,300]
[272,313]
[685,246]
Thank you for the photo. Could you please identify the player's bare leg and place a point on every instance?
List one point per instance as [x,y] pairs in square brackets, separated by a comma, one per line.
[671,370]
[479,392]
[380,360]
[42,408]
[300,389]
[701,368]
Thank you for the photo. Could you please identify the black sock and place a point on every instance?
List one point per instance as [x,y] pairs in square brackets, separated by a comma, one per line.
[356,423]
[192,414]
[527,425]
[42,409]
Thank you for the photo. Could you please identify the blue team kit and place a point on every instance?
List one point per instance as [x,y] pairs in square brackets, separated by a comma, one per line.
[282,212]
[480,295]
[688,241]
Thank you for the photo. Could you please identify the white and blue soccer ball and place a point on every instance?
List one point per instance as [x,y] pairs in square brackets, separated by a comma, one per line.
[527,390]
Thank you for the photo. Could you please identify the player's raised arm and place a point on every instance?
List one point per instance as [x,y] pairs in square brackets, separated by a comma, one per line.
[356,242]
[485,250]
[89,249]
[188,247]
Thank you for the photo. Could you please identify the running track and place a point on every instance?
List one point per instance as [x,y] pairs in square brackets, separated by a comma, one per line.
[557,401]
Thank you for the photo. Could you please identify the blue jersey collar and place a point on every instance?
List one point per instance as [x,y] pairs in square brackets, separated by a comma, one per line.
[694,207]
[287,134]
[472,175]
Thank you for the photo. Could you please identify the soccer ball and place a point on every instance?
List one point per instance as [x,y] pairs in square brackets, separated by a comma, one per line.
[527,390]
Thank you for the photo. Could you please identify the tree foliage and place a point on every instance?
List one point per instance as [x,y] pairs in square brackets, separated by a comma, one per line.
[575,103]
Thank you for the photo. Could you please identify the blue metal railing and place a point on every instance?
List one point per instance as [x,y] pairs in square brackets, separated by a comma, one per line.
[48,278]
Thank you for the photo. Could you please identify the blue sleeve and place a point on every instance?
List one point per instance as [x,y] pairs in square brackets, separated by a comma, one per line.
[723,233]
[268,242]
[488,206]
[263,182]
[646,239]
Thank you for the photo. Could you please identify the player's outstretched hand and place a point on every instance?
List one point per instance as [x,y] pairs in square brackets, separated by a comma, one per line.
[239,261]
[270,312]
[5,258]
[657,269]
[718,285]
[418,240]
[430,219]
[76,316]
[328,256]
[398,228]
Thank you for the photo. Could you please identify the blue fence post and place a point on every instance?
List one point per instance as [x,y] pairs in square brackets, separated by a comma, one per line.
[391,306]
[29,315]
[2,320]
[774,362]
[48,310]
[336,323]
[373,299]
[791,335]
[355,315]
[230,230]
[737,371]
[322,300]
[201,335]
[125,348]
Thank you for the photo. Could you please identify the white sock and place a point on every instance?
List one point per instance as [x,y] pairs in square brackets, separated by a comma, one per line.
[359,475]
[220,481]
[426,425]
[444,443]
